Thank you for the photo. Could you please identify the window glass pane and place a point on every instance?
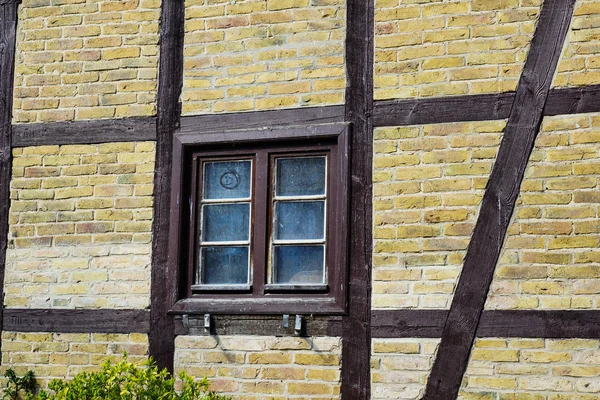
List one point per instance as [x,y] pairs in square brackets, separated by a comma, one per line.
[298,264]
[225,265]
[299,220]
[225,222]
[300,176]
[227,179]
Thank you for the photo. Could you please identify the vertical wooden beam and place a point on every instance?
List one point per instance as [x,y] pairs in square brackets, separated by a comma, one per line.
[170,82]
[356,336]
[8,28]
[499,201]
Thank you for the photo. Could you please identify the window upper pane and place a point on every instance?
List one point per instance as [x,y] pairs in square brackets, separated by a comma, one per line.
[227,179]
[300,176]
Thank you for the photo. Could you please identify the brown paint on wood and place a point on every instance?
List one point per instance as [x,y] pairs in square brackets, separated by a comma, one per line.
[484,107]
[257,119]
[163,286]
[76,321]
[498,201]
[557,324]
[8,26]
[575,100]
[85,132]
[407,323]
[356,338]
[479,107]
[265,325]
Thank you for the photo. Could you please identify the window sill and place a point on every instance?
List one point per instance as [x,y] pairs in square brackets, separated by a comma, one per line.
[265,305]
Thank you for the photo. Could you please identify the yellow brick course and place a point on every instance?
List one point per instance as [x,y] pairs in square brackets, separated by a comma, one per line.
[400,367]
[499,369]
[579,64]
[86,59]
[80,226]
[428,184]
[60,355]
[533,369]
[264,367]
[551,258]
[450,47]
[263,54]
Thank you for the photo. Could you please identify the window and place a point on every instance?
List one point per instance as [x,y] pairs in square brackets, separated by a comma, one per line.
[261,221]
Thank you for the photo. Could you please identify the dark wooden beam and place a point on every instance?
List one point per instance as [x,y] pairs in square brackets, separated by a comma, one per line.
[480,107]
[552,324]
[499,201]
[356,337]
[85,132]
[170,82]
[257,119]
[76,321]
[8,27]
[556,324]
[407,323]
[584,99]
[260,325]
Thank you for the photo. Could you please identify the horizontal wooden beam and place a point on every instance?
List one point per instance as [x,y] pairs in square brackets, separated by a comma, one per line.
[76,321]
[555,324]
[260,325]
[257,119]
[480,107]
[85,132]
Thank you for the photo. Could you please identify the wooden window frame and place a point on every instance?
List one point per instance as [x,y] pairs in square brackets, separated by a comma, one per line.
[261,145]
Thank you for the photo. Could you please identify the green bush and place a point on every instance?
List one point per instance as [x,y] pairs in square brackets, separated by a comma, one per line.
[123,381]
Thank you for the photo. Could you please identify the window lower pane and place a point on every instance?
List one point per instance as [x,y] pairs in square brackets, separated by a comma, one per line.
[224,265]
[298,264]
[297,220]
[225,222]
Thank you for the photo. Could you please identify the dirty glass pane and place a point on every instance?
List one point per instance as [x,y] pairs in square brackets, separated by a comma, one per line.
[296,220]
[300,176]
[225,222]
[224,265]
[227,179]
[298,264]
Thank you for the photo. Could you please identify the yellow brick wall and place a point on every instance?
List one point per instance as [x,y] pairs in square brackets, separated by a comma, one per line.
[80,226]
[263,54]
[261,368]
[580,60]
[400,367]
[533,369]
[451,47]
[499,369]
[60,355]
[428,184]
[551,258]
[86,59]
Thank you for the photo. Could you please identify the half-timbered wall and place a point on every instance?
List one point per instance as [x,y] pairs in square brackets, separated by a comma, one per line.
[473,263]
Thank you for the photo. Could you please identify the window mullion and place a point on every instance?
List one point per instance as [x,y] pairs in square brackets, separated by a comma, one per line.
[260,223]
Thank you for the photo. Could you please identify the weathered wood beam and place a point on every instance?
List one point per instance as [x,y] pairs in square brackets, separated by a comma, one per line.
[76,321]
[170,81]
[85,132]
[257,119]
[499,201]
[356,337]
[479,107]
[556,324]
[8,27]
